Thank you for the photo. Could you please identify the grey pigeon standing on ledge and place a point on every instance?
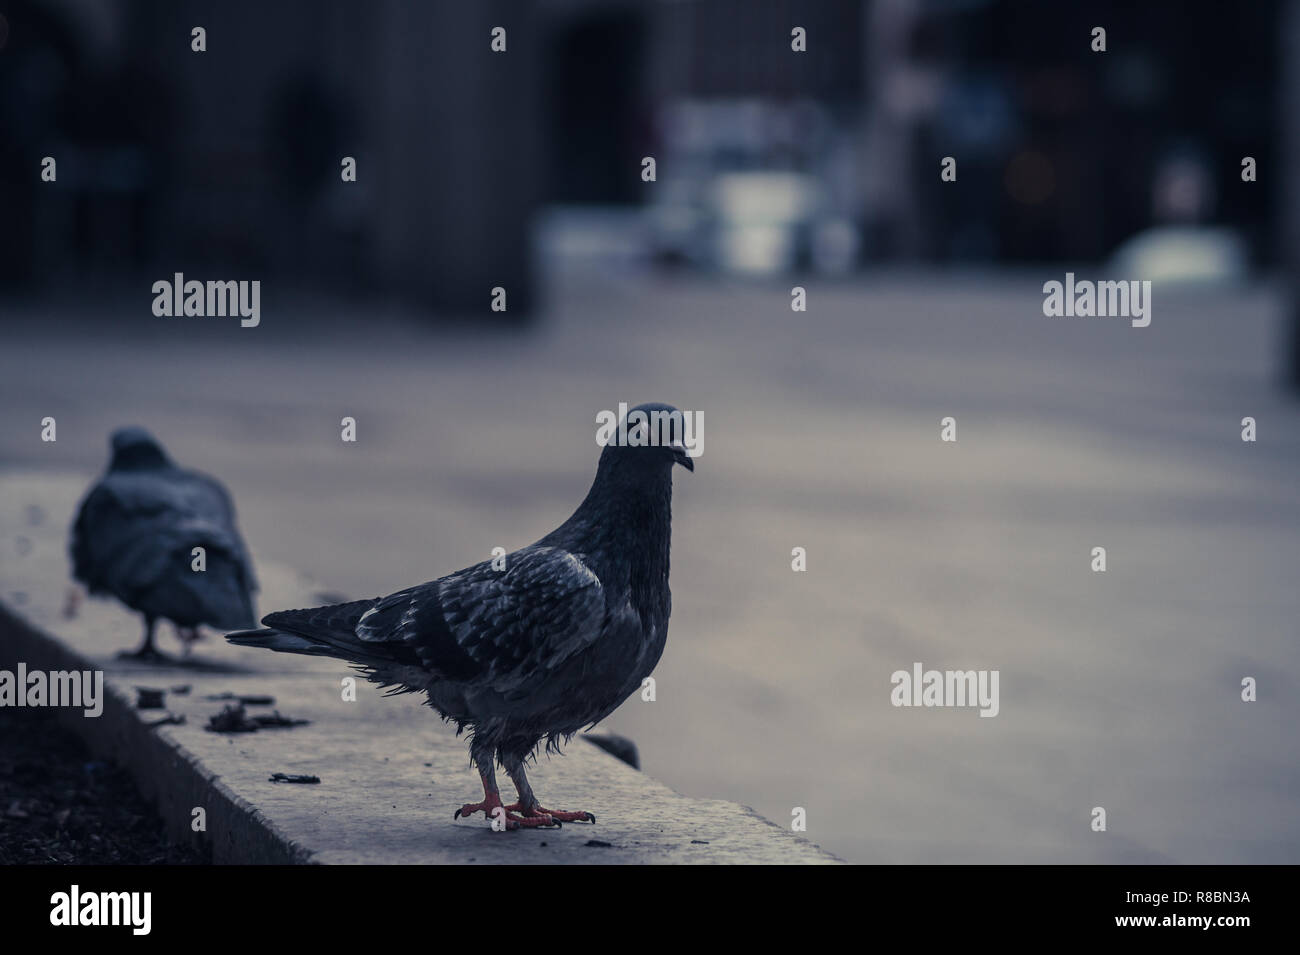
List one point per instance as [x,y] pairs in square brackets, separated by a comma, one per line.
[134,538]
[538,650]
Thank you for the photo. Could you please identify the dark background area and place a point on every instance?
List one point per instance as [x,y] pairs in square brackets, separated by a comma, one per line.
[229,159]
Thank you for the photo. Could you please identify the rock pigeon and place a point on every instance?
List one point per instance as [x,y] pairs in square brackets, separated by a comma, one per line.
[534,648]
[134,539]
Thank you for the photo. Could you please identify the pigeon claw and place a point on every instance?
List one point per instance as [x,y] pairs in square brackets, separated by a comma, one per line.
[558,815]
[535,819]
[539,820]
[490,804]
[145,655]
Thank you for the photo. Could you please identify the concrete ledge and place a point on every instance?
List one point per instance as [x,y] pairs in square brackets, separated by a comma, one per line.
[391,774]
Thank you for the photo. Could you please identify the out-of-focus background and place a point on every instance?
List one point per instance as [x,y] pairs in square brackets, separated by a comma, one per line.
[523,170]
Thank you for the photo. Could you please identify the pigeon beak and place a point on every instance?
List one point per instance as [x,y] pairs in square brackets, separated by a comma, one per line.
[681,457]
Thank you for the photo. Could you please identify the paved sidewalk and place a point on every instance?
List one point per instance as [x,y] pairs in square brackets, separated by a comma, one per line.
[391,774]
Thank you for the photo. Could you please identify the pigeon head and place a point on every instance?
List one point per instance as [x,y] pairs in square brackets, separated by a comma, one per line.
[648,441]
[135,448]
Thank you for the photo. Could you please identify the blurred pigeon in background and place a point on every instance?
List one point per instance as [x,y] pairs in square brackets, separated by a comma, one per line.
[538,648]
[134,539]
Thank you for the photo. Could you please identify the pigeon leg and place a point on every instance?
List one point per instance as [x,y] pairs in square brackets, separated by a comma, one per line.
[147,651]
[527,804]
[492,800]
[72,603]
[187,636]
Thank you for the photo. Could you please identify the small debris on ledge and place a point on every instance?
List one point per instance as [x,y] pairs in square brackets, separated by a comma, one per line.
[292,778]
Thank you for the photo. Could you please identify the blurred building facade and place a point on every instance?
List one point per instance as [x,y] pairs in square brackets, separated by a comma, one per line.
[767,158]
[231,158]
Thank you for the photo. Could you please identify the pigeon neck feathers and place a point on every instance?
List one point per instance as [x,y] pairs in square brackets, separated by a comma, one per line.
[622,528]
[135,449]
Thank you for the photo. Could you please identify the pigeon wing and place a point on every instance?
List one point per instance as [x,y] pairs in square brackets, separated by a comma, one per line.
[134,530]
[209,498]
[500,629]
[101,532]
